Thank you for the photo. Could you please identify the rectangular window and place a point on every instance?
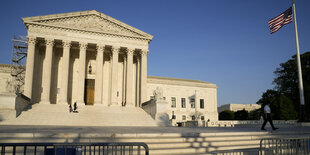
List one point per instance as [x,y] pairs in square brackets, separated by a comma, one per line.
[173,102]
[202,118]
[173,117]
[183,117]
[193,118]
[183,103]
[192,102]
[202,104]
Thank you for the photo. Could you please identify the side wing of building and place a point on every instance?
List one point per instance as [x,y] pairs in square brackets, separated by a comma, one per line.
[187,99]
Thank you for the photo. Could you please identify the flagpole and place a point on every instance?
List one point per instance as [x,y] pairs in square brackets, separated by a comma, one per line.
[301,89]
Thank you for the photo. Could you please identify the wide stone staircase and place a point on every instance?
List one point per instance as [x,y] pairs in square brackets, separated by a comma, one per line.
[97,115]
[237,143]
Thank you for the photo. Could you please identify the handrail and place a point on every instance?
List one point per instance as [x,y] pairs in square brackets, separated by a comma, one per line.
[284,146]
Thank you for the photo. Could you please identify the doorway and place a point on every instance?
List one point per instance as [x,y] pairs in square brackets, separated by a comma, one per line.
[89,91]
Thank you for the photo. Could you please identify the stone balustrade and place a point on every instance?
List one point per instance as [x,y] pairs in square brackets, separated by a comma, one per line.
[250,123]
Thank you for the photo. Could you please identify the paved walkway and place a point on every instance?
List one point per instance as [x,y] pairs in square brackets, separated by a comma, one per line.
[86,129]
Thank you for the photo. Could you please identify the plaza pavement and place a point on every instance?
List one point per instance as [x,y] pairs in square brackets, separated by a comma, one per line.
[122,129]
[160,140]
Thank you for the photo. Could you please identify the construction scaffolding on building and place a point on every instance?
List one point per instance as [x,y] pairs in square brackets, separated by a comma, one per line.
[19,54]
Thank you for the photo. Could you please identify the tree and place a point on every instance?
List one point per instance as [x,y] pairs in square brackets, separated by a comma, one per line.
[281,105]
[286,81]
[227,115]
[255,114]
[241,115]
[284,98]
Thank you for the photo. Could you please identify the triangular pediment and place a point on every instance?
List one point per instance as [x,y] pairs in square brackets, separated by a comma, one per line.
[93,21]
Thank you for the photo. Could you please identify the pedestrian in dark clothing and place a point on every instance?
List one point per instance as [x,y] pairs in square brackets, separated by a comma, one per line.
[70,108]
[267,117]
[75,108]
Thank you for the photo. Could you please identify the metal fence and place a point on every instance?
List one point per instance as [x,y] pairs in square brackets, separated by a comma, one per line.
[286,146]
[74,148]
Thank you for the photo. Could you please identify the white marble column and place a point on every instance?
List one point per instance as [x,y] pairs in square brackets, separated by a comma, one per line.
[30,67]
[124,81]
[47,71]
[82,75]
[138,79]
[114,90]
[65,72]
[98,80]
[129,79]
[143,75]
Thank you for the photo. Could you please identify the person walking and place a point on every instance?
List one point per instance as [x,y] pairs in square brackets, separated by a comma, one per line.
[70,108]
[75,107]
[267,117]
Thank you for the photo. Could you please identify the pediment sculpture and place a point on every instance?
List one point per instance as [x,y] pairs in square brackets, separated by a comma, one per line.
[93,21]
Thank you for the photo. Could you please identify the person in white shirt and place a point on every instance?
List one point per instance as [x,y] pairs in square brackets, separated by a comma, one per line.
[267,117]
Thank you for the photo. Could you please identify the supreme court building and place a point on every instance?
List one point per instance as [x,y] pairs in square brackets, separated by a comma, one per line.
[90,58]
[85,57]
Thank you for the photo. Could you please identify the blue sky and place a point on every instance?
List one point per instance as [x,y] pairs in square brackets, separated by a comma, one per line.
[226,42]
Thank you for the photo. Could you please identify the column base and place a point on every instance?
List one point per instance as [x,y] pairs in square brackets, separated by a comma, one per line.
[44,102]
[79,102]
[129,105]
[63,102]
[98,102]
[114,104]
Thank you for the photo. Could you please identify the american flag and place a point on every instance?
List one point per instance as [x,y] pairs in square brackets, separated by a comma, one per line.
[277,22]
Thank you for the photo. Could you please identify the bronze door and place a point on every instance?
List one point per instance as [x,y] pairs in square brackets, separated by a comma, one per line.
[89,91]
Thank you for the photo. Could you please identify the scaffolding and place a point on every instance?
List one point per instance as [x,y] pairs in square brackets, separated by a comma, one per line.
[19,54]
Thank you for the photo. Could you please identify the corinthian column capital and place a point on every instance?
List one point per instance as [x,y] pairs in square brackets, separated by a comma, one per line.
[100,48]
[66,43]
[83,45]
[130,51]
[31,40]
[115,49]
[144,52]
[49,42]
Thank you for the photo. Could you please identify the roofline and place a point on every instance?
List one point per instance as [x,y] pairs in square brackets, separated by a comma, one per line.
[183,80]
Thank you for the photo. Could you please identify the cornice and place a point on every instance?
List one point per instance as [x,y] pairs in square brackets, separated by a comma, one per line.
[181,82]
[6,68]
[87,31]
[37,19]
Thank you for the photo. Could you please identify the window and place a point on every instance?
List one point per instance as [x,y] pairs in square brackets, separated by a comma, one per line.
[173,117]
[202,118]
[192,102]
[173,102]
[202,104]
[193,118]
[183,117]
[183,103]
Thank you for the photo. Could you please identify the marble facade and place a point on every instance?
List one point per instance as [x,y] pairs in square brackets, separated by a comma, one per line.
[85,57]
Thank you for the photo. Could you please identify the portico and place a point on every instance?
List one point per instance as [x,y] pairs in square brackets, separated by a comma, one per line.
[85,57]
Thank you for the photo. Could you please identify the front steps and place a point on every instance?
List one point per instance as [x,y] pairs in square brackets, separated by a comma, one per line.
[97,115]
[165,143]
